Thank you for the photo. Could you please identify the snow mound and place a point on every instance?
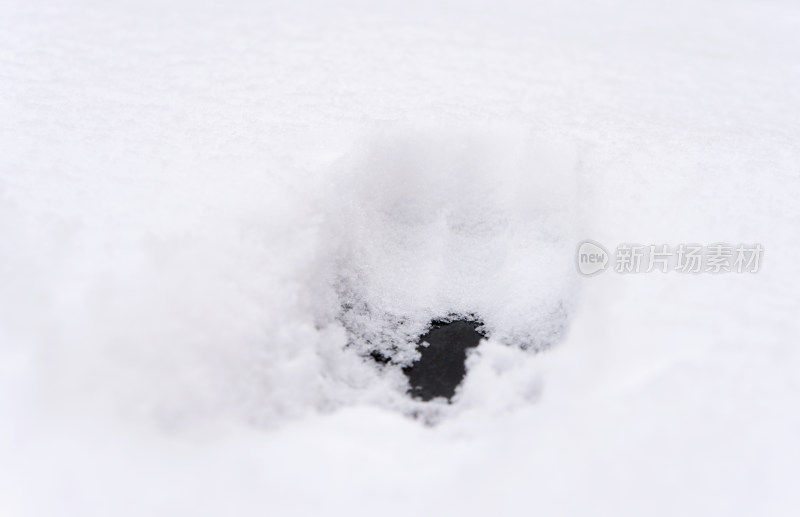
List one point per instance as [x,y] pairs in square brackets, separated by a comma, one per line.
[454,221]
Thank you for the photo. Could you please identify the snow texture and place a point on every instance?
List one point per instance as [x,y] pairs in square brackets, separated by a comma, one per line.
[212,212]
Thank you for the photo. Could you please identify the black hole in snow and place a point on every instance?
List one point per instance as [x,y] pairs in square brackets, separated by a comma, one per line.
[440,369]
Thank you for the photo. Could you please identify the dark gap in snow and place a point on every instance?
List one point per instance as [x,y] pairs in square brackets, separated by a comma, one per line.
[443,351]
[379,357]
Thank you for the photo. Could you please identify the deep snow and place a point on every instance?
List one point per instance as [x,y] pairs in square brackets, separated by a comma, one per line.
[190,194]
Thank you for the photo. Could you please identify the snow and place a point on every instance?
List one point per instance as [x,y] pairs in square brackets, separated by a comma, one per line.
[191,191]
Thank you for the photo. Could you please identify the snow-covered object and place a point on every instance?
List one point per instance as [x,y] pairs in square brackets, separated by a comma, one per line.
[210,211]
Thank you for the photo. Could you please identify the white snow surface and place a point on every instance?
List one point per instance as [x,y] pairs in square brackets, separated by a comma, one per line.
[209,211]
